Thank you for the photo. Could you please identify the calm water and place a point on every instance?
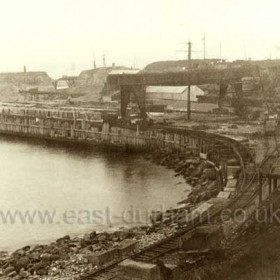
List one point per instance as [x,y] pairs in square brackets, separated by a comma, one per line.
[82,190]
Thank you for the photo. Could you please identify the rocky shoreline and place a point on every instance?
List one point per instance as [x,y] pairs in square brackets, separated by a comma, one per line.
[69,258]
[201,175]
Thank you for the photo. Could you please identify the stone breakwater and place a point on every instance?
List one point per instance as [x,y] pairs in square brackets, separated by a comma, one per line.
[200,174]
[69,258]
[63,259]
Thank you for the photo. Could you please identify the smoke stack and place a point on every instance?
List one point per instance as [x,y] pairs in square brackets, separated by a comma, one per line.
[104,59]
[24,69]
[113,65]
[94,62]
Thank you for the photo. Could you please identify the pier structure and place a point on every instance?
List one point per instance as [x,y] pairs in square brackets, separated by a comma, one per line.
[135,84]
[229,155]
[269,178]
[88,127]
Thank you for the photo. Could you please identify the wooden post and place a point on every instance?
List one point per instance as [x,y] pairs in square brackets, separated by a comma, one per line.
[260,188]
[269,185]
[274,184]
[189,86]
[125,97]
[189,102]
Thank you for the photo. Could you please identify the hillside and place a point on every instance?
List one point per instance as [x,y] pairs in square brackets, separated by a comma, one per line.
[11,83]
[178,65]
[90,83]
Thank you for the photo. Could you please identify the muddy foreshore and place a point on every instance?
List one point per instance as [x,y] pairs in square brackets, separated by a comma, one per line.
[68,258]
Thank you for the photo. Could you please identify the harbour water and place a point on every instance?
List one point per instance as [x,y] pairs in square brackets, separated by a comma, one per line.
[49,191]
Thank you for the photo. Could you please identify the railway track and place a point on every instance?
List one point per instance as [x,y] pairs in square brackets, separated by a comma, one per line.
[273,198]
[244,197]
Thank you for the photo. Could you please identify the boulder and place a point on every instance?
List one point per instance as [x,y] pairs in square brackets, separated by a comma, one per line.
[54,257]
[40,265]
[55,251]
[197,172]
[212,186]
[92,235]
[210,173]
[46,257]
[42,271]
[5,264]
[86,238]
[24,274]
[64,239]
[23,262]
[38,248]
[26,248]
[102,236]
[12,274]
[18,253]
[8,270]
[34,256]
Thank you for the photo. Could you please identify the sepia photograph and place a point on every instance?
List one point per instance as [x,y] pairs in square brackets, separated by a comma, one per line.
[139,140]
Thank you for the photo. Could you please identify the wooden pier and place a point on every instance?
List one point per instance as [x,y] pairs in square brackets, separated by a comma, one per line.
[88,126]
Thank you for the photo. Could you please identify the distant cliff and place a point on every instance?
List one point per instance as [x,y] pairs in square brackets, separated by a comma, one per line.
[11,83]
[90,83]
[182,65]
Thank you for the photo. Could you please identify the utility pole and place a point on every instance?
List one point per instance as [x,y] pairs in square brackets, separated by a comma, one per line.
[104,59]
[94,62]
[189,86]
[245,51]
[204,47]
[221,51]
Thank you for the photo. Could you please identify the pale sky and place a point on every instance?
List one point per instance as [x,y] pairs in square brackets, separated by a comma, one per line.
[60,36]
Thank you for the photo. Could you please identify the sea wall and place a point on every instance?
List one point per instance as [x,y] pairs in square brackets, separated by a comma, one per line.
[88,126]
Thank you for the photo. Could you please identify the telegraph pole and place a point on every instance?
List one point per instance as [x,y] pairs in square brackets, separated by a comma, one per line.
[94,62]
[220,51]
[189,86]
[204,47]
[104,59]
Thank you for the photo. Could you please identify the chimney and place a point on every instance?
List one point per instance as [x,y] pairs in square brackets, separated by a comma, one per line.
[104,59]
[113,65]
[24,69]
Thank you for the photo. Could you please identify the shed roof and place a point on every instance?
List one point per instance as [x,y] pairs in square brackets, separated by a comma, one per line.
[166,89]
[123,71]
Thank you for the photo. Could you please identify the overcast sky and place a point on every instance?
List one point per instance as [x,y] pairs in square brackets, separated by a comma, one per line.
[60,36]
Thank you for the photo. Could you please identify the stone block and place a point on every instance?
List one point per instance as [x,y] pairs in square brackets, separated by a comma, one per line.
[233,171]
[224,194]
[201,238]
[231,183]
[229,189]
[128,248]
[132,270]
[103,257]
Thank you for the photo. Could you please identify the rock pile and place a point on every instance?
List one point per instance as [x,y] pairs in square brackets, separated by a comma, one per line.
[62,259]
[155,235]
[201,175]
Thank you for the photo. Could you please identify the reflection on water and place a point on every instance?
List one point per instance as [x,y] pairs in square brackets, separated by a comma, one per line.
[82,190]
